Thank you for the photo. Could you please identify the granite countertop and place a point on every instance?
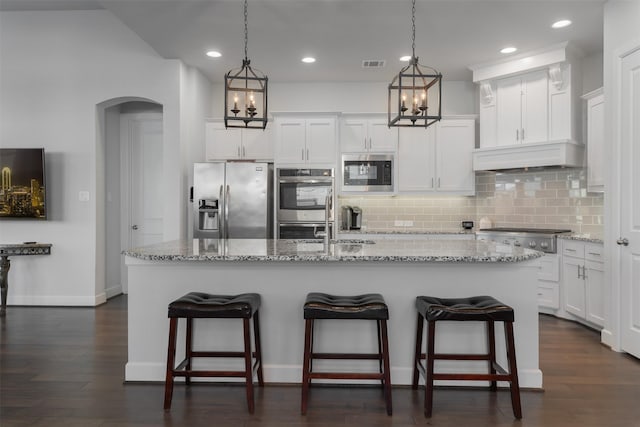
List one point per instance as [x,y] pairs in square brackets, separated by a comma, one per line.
[410,231]
[581,237]
[345,250]
[26,248]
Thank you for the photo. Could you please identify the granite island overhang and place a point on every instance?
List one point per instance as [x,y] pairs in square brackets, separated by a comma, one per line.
[284,271]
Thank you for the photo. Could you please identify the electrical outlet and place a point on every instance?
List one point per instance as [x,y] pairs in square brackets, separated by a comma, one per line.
[83,196]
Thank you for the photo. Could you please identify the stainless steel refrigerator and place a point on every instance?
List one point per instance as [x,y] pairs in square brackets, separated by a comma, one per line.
[233,200]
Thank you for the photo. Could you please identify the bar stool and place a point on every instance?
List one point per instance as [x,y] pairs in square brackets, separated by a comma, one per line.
[198,305]
[365,307]
[480,308]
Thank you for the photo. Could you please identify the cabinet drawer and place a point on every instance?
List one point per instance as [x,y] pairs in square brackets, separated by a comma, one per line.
[549,268]
[548,295]
[594,252]
[573,248]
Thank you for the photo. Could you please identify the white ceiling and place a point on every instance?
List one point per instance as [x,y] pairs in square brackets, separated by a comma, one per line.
[450,35]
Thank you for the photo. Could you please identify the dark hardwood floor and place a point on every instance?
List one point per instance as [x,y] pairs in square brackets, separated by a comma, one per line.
[65,367]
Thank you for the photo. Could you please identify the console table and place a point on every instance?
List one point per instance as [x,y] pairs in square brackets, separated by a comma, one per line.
[7,250]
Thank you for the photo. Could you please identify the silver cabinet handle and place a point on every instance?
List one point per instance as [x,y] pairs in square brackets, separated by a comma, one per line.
[594,253]
[522,135]
[244,153]
[584,272]
[517,135]
[307,154]
[134,227]
[438,182]
[623,241]
[303,154]
[238,151]
[579,275]
[370,144]
[569,250]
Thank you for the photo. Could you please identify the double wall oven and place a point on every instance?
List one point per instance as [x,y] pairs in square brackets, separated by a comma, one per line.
[302,201]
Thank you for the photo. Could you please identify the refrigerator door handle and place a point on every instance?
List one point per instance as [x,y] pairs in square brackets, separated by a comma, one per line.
[226,213]
[220,230]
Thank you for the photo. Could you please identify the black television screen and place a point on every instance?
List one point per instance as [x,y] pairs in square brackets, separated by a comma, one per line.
[22,194]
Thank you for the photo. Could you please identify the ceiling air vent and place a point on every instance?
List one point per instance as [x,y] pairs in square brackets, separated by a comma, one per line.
[373,63]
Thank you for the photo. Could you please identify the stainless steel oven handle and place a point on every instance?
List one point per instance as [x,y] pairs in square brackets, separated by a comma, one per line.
[306,181]
[226,213]
[220,230]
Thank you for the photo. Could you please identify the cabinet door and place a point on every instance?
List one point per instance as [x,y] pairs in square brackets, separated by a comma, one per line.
[509,109]
[353,136]
[257,144]
[221,143]
[595,292]
[574,286]
[595,144]
[455,141]
[290,141]
[535,107]
[321,141]
[381,137]
[416,162]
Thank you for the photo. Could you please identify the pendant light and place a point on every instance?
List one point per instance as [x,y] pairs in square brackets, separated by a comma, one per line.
[245,93]
[414,93]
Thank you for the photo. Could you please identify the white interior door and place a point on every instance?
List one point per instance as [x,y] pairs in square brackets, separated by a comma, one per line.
[630,203]
[142,158]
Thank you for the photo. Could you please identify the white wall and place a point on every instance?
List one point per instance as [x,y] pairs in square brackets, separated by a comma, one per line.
[592,69]
[457,97]
[55,68]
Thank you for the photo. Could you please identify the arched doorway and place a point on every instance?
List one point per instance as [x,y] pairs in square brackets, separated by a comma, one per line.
[128,164]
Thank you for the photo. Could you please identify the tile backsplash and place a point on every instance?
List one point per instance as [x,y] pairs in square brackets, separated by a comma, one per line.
[538,198]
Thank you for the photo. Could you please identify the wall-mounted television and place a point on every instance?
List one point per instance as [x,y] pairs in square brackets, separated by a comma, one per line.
[22,191]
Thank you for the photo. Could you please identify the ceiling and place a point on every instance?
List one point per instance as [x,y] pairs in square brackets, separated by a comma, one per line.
[450,35]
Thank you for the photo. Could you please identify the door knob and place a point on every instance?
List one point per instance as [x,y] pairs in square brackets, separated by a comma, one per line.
[134,227]
[623,241]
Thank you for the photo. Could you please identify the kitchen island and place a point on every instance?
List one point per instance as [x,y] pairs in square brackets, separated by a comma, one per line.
[284,271]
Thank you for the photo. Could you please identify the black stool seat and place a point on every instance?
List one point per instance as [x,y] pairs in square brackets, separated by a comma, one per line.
[485,309]
[325,306]
[202,305]
[480,308]
[320,306]
[199,305]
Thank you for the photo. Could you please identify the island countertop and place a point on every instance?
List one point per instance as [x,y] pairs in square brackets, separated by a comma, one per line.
[343,250]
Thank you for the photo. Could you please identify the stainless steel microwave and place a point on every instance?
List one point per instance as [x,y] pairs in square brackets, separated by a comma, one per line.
[367,172]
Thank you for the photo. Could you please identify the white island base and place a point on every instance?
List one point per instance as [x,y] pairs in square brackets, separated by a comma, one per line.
[284,286]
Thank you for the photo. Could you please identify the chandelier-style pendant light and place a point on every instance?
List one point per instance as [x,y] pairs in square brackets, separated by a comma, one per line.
[414,93]
[245,93]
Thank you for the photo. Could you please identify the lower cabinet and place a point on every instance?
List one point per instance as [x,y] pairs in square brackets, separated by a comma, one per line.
[583,281]
[548,282]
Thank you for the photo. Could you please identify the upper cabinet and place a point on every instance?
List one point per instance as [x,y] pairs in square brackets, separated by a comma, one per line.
[595,140]
[305,139]
[236,143]
[367,133]
[437,159]
[529,111]
[521,109]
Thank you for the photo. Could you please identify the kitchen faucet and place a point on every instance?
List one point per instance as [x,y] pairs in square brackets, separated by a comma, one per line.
[326,234]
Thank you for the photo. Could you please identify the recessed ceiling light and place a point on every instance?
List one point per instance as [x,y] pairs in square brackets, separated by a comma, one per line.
[214,54]
[308,60]
[509,49]
[405,58]
[561,24]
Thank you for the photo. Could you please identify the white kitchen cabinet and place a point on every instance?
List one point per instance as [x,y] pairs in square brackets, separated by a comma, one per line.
[595,140]
[548,282]
[583,280]
[522,108]
[437,159]
[305,140]
[236,143]
[369,133]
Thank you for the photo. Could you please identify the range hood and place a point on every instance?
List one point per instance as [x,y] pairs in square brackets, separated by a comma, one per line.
[553,153]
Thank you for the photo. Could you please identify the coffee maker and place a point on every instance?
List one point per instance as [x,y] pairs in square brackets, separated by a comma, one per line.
[351,218]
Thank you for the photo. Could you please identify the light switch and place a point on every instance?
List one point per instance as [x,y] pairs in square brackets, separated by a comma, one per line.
[83,196]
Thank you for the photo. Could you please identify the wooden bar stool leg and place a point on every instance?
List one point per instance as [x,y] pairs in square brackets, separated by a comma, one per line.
[247,364]
[258,346]
[491,344]
[418,352]
[188,348]
[513,370]
[306,364]
[171,357]
[428,389]
[380,360]
[382,324]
